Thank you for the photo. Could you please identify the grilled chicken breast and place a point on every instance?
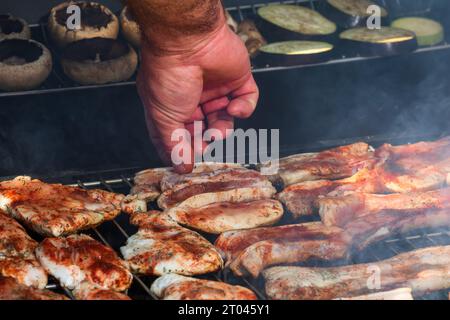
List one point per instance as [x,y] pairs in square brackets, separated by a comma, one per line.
[337,163]
[87,291]
[54,209]
[176,287]
[79,258]
[223,185]
[10,289]
[423,271]
[340,210]
[251,251]
[162,246]
[17,259]
[396,294]
[225,216]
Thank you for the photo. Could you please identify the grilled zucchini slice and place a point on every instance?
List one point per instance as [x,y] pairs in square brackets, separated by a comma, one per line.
[428,32]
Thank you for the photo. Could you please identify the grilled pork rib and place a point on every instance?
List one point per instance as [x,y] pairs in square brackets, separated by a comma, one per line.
[223,185]
[338,211]
[10,289]
[162,246]
[176,287]
[17,259]
[381,225]
[301,199]
[250,251]
[422,270]
[54,209]
[337,163]
[225,216]
[79,258]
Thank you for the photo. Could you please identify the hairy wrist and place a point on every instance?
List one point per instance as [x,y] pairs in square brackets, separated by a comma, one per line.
[177,26]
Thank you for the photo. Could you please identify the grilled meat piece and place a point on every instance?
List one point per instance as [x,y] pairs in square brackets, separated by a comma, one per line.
[301,199]
[396,294]
[176,287]
[14,240]
[381,225]
[10,289]
[79,258]
[338,211]
[87,291]
[423,270]
[17,257]
[410,157]
[223,185]
[250,251]
[337,163]
[147,184]
[146,188]
[162,246]
[26,271]
[54,209]
[225,216]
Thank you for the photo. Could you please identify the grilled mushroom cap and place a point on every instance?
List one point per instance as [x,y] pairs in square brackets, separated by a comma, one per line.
[24,64]
[96,21]
[13,28]
[99,61]
[130,29]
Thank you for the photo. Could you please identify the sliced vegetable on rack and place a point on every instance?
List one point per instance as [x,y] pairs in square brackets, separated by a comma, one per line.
[428,32]
[378,42]
[294,53]
[349,13]
[289,22]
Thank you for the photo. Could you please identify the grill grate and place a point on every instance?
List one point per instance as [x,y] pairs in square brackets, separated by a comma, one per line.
[115,233]
[58,82]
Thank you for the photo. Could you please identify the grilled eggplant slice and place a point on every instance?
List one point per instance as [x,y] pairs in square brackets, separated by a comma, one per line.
[428,32]
[294,53]
[349,13]
[378,42]
[289,22]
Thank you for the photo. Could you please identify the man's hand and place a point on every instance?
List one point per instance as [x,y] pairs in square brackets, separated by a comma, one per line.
[205,77]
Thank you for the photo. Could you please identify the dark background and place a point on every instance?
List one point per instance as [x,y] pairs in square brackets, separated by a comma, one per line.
[89,130]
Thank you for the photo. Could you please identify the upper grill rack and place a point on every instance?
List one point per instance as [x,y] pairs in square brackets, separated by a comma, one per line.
[115,233]
[58,82]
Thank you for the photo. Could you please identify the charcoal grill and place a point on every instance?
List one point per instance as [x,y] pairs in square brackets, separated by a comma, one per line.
[273,83]
[115,233]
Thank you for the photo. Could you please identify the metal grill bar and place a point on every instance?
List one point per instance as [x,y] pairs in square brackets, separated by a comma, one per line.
[58,83]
